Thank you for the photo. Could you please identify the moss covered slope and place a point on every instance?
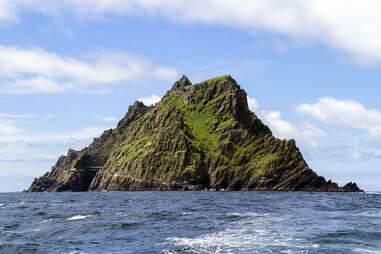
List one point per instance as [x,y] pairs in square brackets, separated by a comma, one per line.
[199,136]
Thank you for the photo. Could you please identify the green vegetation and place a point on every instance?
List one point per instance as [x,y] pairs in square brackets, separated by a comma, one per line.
[136,149]
[195,136]
[205,135]
[217,79]
[200,124]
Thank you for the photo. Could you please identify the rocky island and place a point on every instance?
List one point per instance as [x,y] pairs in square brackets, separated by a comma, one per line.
[199,136]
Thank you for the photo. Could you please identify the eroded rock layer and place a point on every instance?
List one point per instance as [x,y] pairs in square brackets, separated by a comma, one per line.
[199,136]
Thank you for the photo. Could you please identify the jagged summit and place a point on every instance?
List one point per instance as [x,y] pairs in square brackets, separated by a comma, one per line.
[180,84]
[199,136]
[134,112]
[184,84]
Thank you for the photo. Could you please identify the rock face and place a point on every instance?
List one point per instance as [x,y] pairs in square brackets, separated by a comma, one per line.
[199,136]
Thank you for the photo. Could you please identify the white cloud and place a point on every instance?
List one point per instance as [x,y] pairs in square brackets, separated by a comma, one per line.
[345,114]
[342,153]
[304,133]
[27,153]
[253,104]
[21,146]
[7,12]
[35,85]
[316,143]
[24,156]
[13,139]
[8,117]
[80,135]
[52,138]
[148,101]
[39,71]
[349,25]
[106,118]
[7,123]
[164,73]
[7,129]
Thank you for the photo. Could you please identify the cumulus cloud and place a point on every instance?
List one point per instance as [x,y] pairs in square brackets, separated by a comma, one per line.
[148,101]
[345,114]
[38,71]
[253,104]
[305,133]
[349,25]
[318,143]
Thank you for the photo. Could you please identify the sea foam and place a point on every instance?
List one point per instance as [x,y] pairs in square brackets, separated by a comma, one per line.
[79,217]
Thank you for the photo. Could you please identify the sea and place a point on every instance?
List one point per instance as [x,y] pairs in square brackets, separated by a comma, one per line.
[190,222]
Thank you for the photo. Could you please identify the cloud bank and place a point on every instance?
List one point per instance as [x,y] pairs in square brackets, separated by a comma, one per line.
[322,139]
[38,71]
[349,25]
[345,114]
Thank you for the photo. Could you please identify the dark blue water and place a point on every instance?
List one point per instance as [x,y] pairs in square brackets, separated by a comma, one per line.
[190,222]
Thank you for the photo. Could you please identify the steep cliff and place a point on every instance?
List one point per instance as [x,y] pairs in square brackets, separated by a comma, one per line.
[199,136]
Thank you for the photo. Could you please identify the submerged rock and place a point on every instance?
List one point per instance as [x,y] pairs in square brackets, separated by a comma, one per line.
[199,136]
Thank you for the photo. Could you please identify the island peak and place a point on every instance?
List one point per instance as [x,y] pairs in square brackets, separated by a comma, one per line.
[199,136]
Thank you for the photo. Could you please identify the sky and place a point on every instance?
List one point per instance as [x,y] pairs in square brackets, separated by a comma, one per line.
[69,70]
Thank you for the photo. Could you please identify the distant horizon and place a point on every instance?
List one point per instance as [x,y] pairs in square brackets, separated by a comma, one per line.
[70,69]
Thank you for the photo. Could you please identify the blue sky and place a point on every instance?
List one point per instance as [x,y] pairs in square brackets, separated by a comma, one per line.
[70,69]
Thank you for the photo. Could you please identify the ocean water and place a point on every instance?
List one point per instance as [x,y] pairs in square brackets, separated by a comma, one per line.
[190,222]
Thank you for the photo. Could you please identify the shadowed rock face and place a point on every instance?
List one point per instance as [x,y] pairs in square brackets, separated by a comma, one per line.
[199,136]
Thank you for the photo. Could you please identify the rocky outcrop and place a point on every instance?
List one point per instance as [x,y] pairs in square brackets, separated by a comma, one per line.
[199,136]
[76,170]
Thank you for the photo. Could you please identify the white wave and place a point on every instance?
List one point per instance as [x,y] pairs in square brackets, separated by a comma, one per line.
[371,212]
[373,192]
[364,251]
[79,217]
[76,252]
[254,233]
[248,214]
[2,204]
[229,241]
